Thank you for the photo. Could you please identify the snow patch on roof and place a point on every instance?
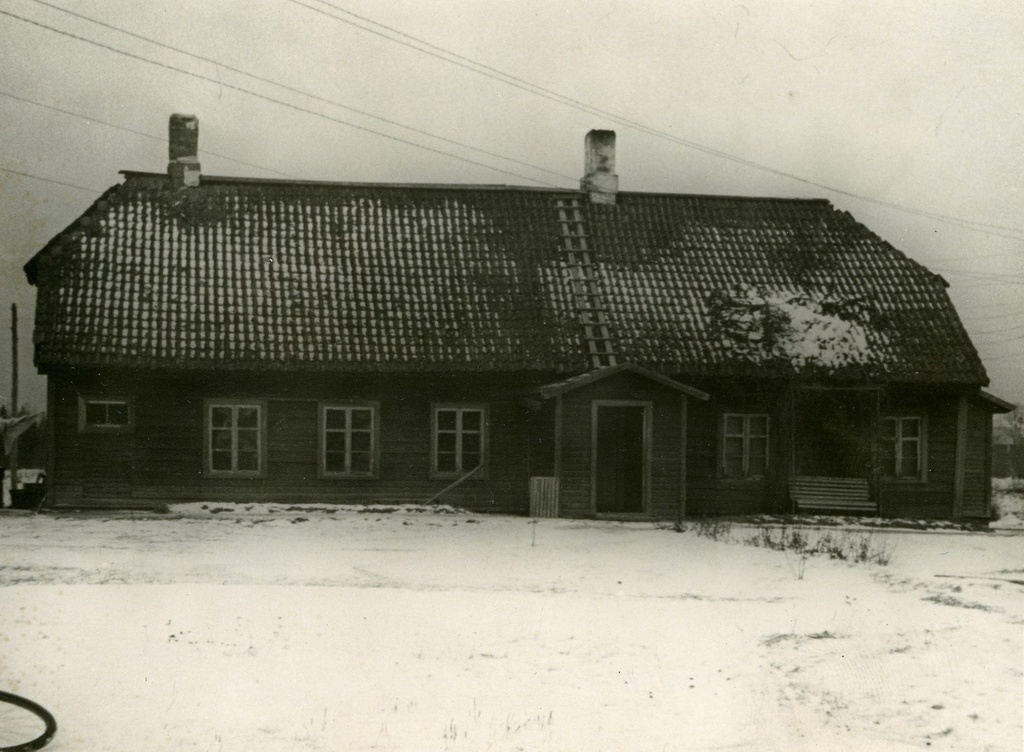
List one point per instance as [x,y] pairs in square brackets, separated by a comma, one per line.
[806,328]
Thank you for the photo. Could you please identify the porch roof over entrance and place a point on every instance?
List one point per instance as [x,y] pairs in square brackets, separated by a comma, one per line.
[561,387]
[996,404]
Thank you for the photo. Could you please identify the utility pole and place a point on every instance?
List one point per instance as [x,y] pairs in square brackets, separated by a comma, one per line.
[14,393]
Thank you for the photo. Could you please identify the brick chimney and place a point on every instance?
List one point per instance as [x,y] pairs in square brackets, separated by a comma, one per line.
[599,178]
[183,151]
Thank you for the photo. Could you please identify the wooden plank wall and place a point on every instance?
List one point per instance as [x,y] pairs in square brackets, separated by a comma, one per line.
[666,464]
[977,480]
[701,458]
[933,498]
[66,477]
[710,494]
[160,461]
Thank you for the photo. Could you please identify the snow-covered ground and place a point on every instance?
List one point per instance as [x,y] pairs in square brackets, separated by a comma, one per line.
[304,629]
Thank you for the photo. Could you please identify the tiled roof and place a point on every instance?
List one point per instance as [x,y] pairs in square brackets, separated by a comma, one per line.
[269,274]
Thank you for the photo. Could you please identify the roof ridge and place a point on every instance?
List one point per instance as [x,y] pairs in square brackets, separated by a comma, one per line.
[242,180]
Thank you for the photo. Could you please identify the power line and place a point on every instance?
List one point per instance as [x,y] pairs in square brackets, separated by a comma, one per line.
[51,180]
[1015,316]
[1015,327]
[274,100]
[988,345]
[525,85]
[1004,315]
[997,342]
[301,92]
[943,257]
[981,279]
[1005,340]
[955,222]
[994,302]
[1005,356]
[983,283]
[162,139]
[479,68]
[977,275]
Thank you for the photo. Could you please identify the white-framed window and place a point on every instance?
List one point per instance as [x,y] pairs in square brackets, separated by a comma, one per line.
[744,445]
[105,414]
[349,443]
[903,447]
[458,440]
[235,438]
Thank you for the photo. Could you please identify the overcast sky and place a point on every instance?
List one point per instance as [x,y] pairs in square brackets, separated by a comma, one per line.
[906,114]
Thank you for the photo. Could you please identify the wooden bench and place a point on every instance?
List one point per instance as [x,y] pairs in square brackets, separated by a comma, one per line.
[830,494]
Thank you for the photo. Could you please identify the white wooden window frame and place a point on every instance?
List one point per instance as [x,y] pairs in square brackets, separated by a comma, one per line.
[261,438]
[84,426]
[745,435]
[347,407]
[459,408]
[899,439]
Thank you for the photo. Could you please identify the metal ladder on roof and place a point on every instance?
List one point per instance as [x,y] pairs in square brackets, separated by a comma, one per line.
[586,290]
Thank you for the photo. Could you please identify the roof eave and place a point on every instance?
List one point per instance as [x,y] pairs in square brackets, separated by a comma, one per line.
[998,405]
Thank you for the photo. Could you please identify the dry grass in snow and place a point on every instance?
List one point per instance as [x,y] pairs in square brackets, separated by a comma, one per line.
[311,629]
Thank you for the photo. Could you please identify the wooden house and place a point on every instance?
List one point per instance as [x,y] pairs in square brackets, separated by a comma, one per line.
[590,352]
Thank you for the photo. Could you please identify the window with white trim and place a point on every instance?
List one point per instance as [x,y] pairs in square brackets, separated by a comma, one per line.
[234,438]
[459,440]
[348,440]
[903,447]
[744,445]
[104,414]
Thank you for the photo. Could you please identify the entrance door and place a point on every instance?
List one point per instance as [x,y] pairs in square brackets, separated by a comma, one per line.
[620,458]
[833,433]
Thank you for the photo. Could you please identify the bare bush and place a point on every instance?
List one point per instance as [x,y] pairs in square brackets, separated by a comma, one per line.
[714,528]
[860,548]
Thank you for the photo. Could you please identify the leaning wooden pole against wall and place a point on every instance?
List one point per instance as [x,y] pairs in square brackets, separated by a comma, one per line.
[14,393]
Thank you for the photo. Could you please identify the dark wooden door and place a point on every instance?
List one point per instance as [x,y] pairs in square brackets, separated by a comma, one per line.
[834,433]
[619,459]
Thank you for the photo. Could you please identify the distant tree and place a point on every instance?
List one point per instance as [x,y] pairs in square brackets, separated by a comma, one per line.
[1008,449]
